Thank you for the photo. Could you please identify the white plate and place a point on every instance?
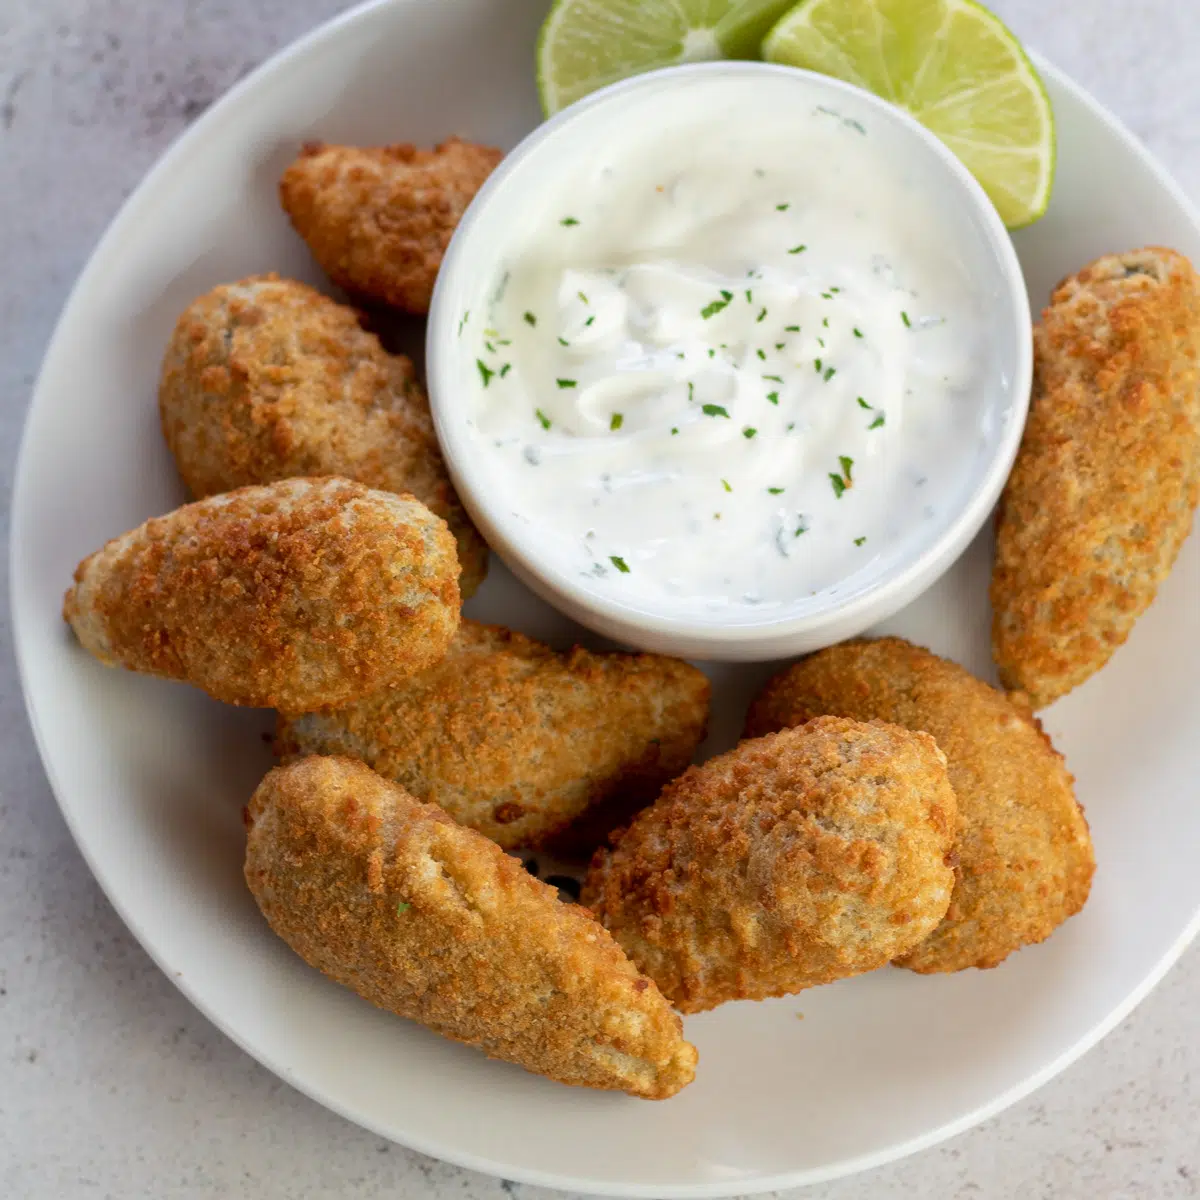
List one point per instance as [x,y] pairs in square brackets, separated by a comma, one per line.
[151,776]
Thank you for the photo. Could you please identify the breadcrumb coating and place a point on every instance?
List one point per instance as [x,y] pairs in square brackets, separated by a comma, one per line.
[1108,475]
[267,379]
[379,218]
[518,741]
[796,859]
[435,923]
[1024,854]
[297,595]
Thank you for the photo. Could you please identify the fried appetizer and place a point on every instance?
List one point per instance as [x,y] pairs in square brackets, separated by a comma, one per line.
[1024,854]
[297,595]
[433,922]
[795,859]
[516,740]
[267,379]
[1108,475]
[379,218]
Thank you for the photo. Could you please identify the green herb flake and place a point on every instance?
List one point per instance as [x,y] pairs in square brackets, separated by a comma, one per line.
[711,352]
[826,295]
[790,426]
[791,329]
[543,420]
[782,207]
[830,372]
[485,372]
[674,430]
[402,907]
[907,322]
[875,424]
[568,221]
[857,332]
[858,541]
[749,432]
[582,296]
[847,465]
[774,378]
[562,341]
[835,290]
[863,404]
[801,528]
[490,347]
[711,310]
[714,410]
[589,321]
[762,316]
[504,341]
[504,370]
[775,491]
[773,397]
[825,323]
[565,383]
[725,485]
[780,345]
[839,484]
[531,320]
[817,365]
[749,296]
[616,420]
[761,354]
[798,249]
[465,318]
[618,562]
[691,391]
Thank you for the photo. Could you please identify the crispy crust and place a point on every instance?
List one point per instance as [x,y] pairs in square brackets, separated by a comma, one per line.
[379,218]
[1025,858]
[297,595]
[433,922]
[1108,475]
[796,859]
[266,379]
[517,741]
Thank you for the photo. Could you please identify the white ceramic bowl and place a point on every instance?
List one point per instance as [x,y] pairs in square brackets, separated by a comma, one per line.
[507,211]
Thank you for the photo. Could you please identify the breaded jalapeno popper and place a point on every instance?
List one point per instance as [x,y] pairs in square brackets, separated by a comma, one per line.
[1108,474]
[301,594]
[379,218]
[434,922]
[1024,854]
[267,379]
[517,741]
[796,859]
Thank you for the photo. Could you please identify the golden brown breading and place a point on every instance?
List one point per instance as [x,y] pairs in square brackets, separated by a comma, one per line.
[1024,855]
[267,379]
[1108,475]
[301,594]
[379,218]
[795,859]
[517,741]
[433,922]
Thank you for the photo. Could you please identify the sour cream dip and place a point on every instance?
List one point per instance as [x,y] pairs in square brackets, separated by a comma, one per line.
[734,358]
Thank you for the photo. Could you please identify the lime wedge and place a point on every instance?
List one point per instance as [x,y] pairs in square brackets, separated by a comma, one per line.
[953,66]
[587,44]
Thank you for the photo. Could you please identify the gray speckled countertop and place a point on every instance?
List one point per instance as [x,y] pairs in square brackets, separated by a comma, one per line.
[110,1083]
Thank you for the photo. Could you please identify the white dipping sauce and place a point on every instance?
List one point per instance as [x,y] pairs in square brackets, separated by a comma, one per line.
[733,366]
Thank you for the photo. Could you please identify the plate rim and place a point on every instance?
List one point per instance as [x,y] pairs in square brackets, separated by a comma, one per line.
[206,126]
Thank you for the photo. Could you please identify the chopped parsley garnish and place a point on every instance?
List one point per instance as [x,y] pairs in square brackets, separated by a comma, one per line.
[691,391]
[711,352]
[817,365]
[504,370]
[830,372]
[774,378]
[568,221]
[839,484]
[791,329]
[775,491]
[616,420]
[542,418]
[725,485]
[761,354]
[780,345]
[618,562]
[762,316]
[825,323]
[530,319]
[589,320]
[465,318]
[907,322]
[402,907]
[491,348]
[847,465]
[503,341]
[826,295]
[801,528]
[749,432]
[863,404]
[714,410]
[491,333]
[798,249]
[582,296]
[821,343]
[859,540]
[749,296]
[857,332]
[565,383]
[562,341]
[485,372]
[773,397]
[711,310]
[782,207]
[674,430]
[875,424]
[790,426]
[835,289]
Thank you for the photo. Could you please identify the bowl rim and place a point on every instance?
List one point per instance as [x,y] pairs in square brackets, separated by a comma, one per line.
[872,601]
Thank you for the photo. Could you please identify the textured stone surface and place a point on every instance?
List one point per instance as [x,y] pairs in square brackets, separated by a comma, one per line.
[110,1083]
